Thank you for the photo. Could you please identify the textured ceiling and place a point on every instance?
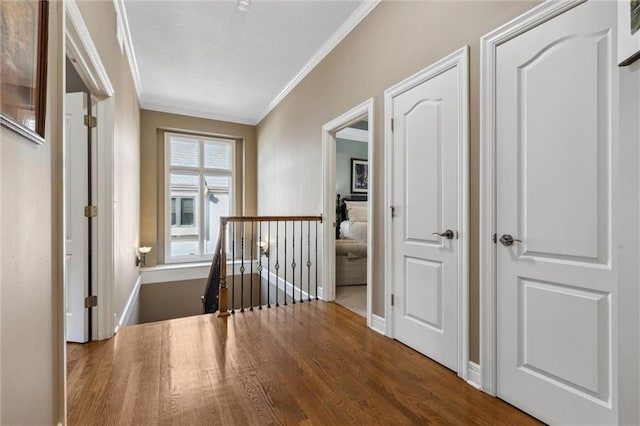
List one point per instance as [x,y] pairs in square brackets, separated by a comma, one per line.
[206,58]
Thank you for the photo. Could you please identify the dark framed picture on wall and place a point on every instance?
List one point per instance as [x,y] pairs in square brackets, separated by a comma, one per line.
[359,176]
[23,66]
[628,31]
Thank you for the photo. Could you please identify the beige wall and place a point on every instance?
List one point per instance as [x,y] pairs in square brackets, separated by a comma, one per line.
[163,301]
[152,126]
[395,41]
[31,335]
[100,18]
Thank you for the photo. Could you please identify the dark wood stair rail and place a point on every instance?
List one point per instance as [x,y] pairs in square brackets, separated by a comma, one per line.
[216,296]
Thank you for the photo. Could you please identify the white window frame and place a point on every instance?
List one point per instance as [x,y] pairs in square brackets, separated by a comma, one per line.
[200,193]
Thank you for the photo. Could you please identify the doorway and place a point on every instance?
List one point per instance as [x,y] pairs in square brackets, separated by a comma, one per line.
[348,196]
[79,163]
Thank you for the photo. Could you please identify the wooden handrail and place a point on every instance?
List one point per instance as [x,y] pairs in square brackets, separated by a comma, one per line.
[227,219]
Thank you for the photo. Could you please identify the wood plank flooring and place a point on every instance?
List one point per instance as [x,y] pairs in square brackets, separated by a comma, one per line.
[311,363]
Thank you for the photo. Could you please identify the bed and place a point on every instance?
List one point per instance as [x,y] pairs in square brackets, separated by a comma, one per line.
[351,240]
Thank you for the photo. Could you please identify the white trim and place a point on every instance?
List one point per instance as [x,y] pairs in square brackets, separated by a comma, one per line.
[329,130]
[265,274]
[83,53]
[81,50]
[488,47]
[353,134]
[124,36]
[175,272]
[356,17]
[104,179]
[459,59]
[131,303]
[473,374]
[378,324]
[218,116]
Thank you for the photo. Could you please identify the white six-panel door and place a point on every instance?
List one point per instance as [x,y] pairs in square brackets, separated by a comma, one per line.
[428,142]
[557,286]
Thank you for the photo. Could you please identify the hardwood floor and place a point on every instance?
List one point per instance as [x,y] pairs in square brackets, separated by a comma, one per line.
[311,363]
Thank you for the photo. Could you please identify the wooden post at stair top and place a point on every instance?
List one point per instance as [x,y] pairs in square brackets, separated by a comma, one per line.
[223,303]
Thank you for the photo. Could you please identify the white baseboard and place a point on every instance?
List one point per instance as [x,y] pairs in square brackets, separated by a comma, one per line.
[267,275]
[473,374]
[131,303]
[378,324]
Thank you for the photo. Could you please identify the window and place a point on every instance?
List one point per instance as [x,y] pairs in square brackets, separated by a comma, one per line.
[199,181]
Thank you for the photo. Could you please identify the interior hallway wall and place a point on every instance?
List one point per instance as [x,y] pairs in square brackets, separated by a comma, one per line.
[396,40]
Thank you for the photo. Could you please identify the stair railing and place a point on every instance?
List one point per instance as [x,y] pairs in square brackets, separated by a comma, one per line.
[291,242]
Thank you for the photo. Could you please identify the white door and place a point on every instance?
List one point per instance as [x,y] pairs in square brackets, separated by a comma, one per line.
[428,144]
[556,288]
[76,256]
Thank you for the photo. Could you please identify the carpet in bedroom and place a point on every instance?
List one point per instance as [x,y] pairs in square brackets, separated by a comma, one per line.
[353,297]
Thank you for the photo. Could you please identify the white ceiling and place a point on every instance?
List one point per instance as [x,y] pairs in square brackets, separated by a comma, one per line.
[208,59]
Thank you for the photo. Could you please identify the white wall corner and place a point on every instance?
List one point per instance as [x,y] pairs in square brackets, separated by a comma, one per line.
[131,306]
[378,324]
[473,374]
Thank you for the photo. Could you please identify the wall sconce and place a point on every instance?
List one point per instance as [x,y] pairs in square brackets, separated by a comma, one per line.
[264,248]
[140,260]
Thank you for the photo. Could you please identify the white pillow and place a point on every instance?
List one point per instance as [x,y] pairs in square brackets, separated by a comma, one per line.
[355,204]
[357,214]
[358,231]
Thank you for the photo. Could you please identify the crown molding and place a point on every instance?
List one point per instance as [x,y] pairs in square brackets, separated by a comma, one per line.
[356,17]
[198,114]
[124,39]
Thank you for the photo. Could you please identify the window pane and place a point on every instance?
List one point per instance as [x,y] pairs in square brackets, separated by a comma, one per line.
[186,212]
[218,204]
[184,180]
[173,211]
[185,152]
[217,155]
[220,183]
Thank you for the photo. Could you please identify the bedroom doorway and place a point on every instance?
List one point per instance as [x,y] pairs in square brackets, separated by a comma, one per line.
[348,178]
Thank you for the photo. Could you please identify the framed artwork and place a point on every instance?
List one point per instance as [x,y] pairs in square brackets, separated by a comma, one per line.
[359,176]
[23,66]
[628,31]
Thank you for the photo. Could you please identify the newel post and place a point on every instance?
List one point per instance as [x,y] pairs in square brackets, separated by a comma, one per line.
[223,301]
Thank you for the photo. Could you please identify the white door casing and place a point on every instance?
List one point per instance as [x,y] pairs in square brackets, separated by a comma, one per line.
[427,184]
[549,303]
[76,248]
[83,54]
[329,131]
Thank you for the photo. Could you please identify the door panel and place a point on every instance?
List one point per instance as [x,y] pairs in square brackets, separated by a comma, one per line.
[426,195]
[76,239]
[556,289]
[422,172]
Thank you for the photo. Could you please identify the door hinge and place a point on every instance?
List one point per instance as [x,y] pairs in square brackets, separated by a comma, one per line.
[90,211]
[393,211]
[392,125]
[90,121]
[392,300]
[90,301]
[495,236]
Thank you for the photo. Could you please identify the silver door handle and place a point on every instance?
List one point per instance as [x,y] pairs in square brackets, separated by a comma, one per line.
[508,240]
[448,234]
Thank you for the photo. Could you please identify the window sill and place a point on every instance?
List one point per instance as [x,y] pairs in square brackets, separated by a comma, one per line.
[172,272]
